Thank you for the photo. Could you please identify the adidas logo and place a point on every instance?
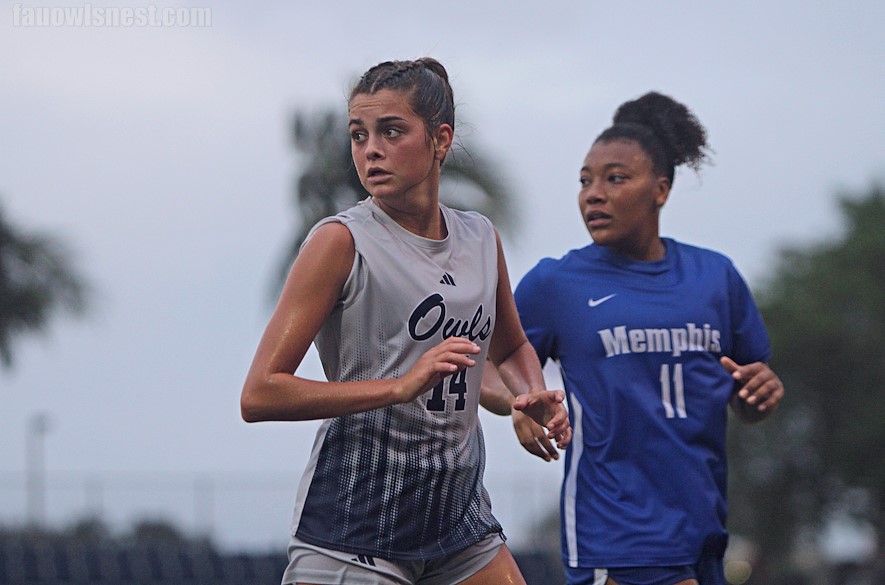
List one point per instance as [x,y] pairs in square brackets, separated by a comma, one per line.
[364,560]
[447,279]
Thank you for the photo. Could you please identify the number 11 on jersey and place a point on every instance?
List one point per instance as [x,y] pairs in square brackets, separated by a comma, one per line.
[676,393]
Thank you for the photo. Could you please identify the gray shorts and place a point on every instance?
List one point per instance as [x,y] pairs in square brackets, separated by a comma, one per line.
[322,566]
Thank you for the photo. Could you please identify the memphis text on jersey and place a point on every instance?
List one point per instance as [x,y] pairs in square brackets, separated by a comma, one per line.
[675,340]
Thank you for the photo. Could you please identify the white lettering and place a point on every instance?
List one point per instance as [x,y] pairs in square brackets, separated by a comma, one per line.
[680,341]
[615,343]
[675,341]
[637,341]
[110,16]
[658,340]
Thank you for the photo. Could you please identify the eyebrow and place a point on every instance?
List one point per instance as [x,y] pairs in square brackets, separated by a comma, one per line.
[381,120]
[605,167]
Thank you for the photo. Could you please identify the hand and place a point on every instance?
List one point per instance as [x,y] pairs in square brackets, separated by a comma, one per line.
[533,437]
[760,385]
[440,361]
[546,408]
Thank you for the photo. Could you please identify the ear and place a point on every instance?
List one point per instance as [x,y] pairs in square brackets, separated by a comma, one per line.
[442,141]
[662,191]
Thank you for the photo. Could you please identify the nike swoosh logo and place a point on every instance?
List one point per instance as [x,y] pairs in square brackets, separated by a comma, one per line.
[597,302]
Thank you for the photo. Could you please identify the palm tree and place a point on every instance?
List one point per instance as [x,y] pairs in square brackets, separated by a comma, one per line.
[35,281]
[329,183]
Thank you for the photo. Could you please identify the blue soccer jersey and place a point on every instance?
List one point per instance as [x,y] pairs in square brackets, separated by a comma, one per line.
[639,345]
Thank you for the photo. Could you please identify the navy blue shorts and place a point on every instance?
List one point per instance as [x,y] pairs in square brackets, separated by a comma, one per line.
[708,571]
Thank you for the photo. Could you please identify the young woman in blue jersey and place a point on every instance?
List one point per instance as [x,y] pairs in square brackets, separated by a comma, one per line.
[405,300]
[655,339]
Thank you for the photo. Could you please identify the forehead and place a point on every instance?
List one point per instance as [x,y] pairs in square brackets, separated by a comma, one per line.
[381,104]
[618,152]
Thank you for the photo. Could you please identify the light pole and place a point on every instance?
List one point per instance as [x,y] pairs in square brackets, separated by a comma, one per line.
[35,461]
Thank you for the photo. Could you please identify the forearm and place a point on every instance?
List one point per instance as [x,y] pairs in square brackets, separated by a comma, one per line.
[495,396]
[284,397]
[521,370]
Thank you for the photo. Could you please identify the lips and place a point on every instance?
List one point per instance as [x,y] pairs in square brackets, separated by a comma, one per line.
[377,173]
[597,219]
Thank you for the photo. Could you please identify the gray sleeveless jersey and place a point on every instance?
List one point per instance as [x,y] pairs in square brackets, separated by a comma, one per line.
[404,482]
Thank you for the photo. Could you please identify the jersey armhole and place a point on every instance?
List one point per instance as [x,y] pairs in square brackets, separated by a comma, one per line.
[356,278]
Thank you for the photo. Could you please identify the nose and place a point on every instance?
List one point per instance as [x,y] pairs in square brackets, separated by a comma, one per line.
[592,192]
[373,148]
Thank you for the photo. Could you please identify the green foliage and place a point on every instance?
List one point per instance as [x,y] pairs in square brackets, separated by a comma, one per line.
[825,310]
[328,182]
[36,280]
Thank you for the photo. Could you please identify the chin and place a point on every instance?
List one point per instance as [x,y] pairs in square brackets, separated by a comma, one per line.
[597,236]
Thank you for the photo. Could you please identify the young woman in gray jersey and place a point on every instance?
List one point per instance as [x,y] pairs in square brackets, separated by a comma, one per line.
[405,300]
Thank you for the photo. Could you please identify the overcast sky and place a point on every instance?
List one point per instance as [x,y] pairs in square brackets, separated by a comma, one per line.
[162,156]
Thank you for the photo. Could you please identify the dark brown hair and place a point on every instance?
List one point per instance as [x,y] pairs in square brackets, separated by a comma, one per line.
[424,80]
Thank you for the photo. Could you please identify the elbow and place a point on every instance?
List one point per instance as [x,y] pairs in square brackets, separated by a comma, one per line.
[250,409]
[249,413]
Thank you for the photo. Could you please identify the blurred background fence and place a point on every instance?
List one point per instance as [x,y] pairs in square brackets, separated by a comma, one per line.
[218,528]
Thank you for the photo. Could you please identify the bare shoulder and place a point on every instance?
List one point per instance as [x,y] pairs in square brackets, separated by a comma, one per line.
[326,258]
[330,243]
[332,236]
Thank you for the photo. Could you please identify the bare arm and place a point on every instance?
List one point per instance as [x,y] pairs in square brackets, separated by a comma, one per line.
[494,395]
[519,368]
[314,284]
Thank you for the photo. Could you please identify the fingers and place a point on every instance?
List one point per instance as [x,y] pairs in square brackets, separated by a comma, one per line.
[540,446]
[729,364]
[563,440]
[545,408]
[559,429]
[539,400]
[450,356]
[760,386]
[532,437]
[521,403]
[764,390]
[554,400]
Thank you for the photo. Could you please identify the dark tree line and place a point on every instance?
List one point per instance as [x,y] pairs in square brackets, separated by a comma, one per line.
[819,458]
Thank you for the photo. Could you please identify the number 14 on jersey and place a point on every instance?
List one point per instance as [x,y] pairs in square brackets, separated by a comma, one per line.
[457,384]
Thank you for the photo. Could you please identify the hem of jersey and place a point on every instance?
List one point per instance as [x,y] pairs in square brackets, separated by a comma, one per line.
[395,556]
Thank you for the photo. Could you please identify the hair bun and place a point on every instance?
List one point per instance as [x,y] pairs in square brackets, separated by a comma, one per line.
[679,131]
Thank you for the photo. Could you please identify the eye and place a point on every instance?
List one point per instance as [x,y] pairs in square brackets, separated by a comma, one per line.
[357,136]
[392,132]
[617,178]
[585,182]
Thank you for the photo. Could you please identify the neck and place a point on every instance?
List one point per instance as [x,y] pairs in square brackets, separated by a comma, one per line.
[653,250]
[417,209]
[424,219]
